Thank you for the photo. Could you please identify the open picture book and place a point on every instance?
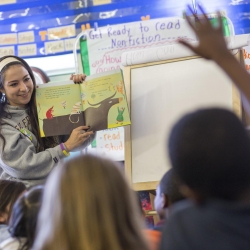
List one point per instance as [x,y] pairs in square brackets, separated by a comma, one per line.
[99,102]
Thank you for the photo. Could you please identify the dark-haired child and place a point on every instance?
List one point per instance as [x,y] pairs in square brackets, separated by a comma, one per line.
[167,193]
[9,193]
[23,220]
[209,152]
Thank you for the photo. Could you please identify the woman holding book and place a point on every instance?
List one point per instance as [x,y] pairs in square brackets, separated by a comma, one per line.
[24,155]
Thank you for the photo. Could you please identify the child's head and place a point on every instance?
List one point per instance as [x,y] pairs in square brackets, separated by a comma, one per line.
[9,192]
[209,150]
[167,193]
[24,215]
[88,204]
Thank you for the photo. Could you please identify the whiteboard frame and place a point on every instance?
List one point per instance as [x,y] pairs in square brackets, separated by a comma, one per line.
[151,185]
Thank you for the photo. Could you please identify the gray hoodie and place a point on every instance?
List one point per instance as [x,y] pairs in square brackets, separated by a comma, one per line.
[20,161]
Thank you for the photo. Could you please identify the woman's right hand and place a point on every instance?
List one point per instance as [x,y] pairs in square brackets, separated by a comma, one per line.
[77,137]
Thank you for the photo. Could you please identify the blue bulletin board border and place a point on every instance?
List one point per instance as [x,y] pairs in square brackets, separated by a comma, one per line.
[39,16]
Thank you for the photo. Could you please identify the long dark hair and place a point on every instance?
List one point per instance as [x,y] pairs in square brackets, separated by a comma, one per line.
[24,215]
[9,192]
[43,143]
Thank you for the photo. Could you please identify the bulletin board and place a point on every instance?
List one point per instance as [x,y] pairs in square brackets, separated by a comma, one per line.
[159,94]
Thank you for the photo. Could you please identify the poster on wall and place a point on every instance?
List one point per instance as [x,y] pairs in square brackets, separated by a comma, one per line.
[48,27]
[102,49]
[246,54]
[110,144]
[245,113]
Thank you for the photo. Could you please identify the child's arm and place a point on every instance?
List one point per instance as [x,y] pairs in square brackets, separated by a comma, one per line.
[212,46]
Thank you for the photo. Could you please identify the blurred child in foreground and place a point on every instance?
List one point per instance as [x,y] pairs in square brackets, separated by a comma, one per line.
[88,204]
[9,193]
[209,152]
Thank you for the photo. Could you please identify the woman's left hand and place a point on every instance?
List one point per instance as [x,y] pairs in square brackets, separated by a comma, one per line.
[78,78]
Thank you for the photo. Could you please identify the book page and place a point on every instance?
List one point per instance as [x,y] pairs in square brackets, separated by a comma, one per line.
[59,109]
[104,101]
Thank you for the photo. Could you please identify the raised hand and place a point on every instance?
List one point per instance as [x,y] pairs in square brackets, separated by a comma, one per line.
[211,40]
[212,46]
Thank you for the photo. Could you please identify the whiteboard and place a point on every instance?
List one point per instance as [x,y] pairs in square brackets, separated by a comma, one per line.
[159,95]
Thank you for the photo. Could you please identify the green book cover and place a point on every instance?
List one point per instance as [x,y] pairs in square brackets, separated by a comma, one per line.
[99,102]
